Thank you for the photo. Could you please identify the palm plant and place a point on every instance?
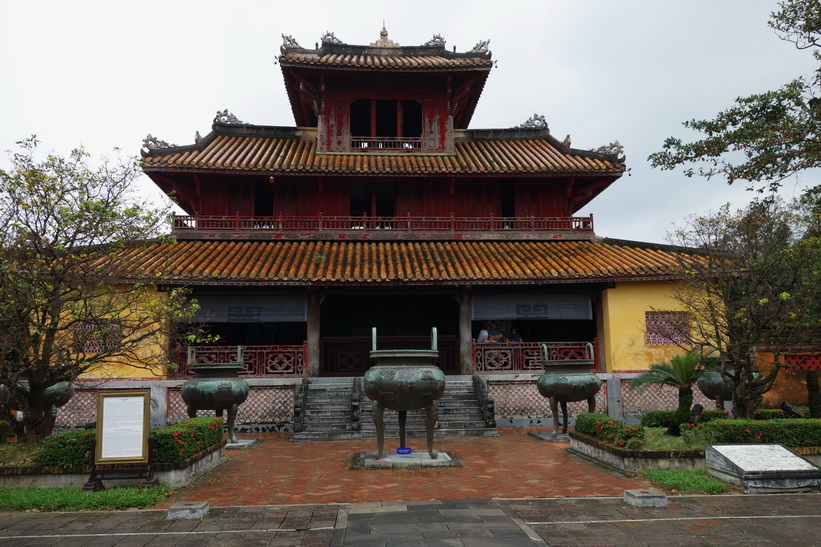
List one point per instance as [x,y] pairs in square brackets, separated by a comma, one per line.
[681,372]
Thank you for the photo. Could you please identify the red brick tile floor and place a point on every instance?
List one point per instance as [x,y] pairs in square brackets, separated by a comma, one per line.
[276,471]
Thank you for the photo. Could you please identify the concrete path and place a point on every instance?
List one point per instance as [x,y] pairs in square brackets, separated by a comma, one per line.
[783,520]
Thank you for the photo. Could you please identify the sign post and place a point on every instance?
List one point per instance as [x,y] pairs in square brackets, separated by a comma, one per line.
[123,446]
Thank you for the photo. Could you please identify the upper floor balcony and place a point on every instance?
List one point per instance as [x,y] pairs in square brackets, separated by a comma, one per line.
[382,228]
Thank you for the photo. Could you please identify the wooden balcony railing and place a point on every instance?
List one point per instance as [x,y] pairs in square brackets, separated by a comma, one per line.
[526,356]
[258,360]
[350,356]
[382,225]
[381,144]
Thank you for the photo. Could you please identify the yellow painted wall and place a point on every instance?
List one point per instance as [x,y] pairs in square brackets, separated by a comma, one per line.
[143,364]
[624,310]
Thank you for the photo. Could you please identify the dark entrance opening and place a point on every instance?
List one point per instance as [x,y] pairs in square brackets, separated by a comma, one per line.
[402,321]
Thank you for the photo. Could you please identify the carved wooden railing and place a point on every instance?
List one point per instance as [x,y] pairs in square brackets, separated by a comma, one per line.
[183,223]
[378,144]
[526,356]
[258,360]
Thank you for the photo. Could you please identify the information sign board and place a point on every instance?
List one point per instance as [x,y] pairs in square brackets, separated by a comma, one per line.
[122,426]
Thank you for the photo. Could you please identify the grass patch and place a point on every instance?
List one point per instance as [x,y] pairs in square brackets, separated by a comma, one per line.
[685,480]
[75,499]
[16,454]
[655,439]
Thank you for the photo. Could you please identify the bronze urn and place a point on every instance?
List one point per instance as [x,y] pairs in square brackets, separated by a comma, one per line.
[567,381]
[216,386]
[403,380]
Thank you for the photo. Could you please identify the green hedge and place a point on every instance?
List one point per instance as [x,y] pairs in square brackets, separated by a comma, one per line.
[67,449]
[805,432]
[172,444]
[605,428]
[778,414]
[663,418]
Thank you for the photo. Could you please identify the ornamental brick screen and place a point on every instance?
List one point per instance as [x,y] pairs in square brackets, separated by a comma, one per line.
[264,405]
[523,400]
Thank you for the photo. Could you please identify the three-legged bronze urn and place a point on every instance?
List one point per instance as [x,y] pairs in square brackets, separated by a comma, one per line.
[403,380]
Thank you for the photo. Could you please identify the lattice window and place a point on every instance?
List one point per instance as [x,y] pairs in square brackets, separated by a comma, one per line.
[96,336]
[666,328]
[803,362]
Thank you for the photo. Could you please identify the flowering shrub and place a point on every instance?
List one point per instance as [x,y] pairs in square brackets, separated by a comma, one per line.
[180,441]
[171,444]
[607,429]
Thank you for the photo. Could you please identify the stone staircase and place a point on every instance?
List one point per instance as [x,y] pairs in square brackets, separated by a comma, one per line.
[328,413]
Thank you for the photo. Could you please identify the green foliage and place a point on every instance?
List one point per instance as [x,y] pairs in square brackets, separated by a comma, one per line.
[813,395]
[787,432]
[685,480]
[64,224]
[681,372]
[177,442]
[5,431]
[757,282]
[663,418]
[75,499]
[67,449]
[607,429]
[766,136]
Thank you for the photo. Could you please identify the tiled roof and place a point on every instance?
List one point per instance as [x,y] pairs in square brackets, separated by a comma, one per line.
[382,62]
[226,153]
[405,263]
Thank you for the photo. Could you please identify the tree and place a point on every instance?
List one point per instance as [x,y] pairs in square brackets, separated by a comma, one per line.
[682,372]
[751,291]
[767,136]
[63,310]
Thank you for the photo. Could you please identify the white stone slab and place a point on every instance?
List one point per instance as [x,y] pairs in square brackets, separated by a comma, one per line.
[760,468]
[763,457]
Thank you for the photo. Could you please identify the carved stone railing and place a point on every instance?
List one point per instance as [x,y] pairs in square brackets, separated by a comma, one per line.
[526,356]
[364,226]
[257,360]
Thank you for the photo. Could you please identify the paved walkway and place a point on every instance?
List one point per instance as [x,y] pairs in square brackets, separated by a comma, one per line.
[514,490]
[784,520]
[514,465]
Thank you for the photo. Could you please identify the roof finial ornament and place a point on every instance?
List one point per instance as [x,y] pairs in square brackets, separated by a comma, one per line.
[613,149]
[289,42]
[225,117]
[566,141]
[436,41]
[536,121]
[481,47]
[329,38]
[153,143]
[384,41]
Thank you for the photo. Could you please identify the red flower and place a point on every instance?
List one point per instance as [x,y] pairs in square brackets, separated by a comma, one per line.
[746,431]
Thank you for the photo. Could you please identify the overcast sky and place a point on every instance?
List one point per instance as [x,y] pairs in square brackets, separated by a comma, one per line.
[106,74]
